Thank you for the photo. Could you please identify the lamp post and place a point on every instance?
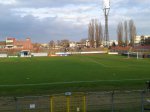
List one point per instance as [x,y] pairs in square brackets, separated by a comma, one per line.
[106,8]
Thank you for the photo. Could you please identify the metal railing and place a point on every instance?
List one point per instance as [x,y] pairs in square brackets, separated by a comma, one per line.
[127,101]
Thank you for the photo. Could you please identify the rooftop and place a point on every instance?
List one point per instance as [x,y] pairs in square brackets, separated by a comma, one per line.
[2,43]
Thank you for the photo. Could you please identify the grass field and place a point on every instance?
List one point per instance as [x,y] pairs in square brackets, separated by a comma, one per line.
[45,75]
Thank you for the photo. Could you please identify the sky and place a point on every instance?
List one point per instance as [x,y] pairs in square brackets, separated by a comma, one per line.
[45,20]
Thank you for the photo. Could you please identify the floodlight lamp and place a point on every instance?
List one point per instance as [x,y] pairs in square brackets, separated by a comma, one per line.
[106,12]
[106,4]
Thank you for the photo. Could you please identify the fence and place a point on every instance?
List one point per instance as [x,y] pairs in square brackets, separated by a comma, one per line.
[134,101]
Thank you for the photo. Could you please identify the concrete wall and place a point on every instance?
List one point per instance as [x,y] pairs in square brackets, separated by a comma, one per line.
[90,52]
[3,55]
[39,54]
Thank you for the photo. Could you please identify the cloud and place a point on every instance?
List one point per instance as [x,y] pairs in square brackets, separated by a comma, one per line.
[44,20]
[51,28]
[52,3]
[76,14]
[8,2]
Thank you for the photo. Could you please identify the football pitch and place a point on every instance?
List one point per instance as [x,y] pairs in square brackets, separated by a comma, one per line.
[46,75]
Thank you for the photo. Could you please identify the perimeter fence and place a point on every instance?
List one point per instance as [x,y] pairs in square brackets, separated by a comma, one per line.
[127,101]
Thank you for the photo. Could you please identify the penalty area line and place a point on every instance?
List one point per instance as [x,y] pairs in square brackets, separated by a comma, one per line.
[72,82]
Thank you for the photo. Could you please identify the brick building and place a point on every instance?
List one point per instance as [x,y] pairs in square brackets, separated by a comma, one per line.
[2,44]
[13,43]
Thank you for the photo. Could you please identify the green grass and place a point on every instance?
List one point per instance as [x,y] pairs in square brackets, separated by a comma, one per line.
[104,72]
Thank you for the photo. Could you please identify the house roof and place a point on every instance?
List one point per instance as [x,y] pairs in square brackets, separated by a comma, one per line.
[2,43]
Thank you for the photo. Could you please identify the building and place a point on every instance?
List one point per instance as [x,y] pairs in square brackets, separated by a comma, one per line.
[72,44]
[44,45]
[12,43]
[139,38]
[111,42]
[146,36]
[2,45]
[87,43]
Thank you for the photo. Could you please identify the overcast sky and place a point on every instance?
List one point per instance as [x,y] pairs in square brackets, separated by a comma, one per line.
[45,20]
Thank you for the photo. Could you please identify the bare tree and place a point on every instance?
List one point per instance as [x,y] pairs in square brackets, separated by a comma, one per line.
[58,42]
[83,41]
[100,33]
[132,32]
[91,33]
[120,34]
[51,44]
[95,33]
[64,43]
[126,33]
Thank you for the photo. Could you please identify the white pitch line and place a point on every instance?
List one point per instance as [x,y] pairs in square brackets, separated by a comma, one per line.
[98,63]
[72,82]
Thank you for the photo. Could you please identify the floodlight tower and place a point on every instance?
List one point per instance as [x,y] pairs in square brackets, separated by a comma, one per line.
[106,8]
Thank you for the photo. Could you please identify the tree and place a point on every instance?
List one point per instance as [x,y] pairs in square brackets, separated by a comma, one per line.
[51,44]
[126,33]
[83,41]
[91,33]
[142,40]
[145,41]
[64,43]
[120,34]
[113,44]
[100,33]
[58,42]
[132,32]
[95,33]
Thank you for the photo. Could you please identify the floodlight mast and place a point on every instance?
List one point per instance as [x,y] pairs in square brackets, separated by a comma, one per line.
[106,9]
